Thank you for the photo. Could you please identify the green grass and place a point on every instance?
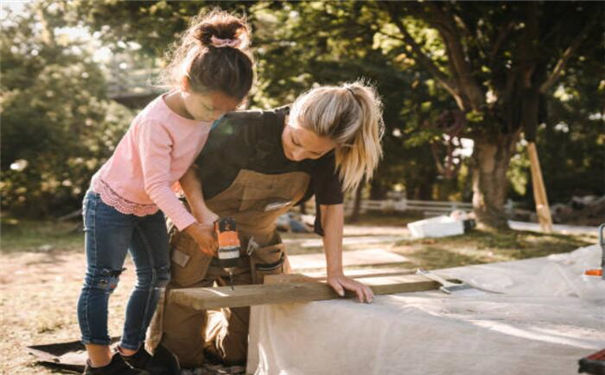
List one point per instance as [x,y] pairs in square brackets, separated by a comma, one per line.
[478,247]
[30,236]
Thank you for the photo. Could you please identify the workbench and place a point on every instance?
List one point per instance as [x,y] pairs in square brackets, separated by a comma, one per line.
[546,318]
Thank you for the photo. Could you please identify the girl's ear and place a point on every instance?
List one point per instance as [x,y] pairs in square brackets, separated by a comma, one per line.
[185,86]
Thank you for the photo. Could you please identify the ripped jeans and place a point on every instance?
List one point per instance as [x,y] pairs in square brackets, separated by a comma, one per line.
[109,234]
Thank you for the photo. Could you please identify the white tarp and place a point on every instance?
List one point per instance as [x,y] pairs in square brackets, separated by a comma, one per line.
[547,319]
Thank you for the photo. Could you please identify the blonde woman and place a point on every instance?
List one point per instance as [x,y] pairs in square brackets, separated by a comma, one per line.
[255,166]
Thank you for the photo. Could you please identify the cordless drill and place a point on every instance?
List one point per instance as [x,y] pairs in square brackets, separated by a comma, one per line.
[228,245]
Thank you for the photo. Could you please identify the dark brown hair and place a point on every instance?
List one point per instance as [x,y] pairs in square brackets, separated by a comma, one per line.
[209,66]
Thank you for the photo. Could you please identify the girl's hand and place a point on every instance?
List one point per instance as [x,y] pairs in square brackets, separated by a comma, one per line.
[203,234]
[340,283]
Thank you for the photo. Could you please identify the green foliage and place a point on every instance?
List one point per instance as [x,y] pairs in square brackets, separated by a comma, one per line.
[518,172]
[153,24]
[56,118]
[57,126]
[571,143]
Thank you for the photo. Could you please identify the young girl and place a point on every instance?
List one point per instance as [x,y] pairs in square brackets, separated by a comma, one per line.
[124,209]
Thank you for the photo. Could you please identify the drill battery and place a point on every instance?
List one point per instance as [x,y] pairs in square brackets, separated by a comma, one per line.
[228,242]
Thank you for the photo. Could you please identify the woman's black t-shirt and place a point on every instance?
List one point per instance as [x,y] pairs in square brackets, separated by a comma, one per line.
[252,140]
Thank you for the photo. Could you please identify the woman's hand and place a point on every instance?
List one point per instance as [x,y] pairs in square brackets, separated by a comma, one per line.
[203,234]
[340,283]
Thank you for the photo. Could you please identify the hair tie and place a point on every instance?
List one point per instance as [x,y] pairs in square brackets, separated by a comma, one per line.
[220,43]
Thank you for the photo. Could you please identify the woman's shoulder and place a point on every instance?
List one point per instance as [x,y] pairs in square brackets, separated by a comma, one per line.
[250,122]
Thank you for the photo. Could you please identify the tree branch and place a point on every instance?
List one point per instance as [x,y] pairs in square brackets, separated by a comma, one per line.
[502,35]
[397,37]
[446,25]
[448,84]
[567,54]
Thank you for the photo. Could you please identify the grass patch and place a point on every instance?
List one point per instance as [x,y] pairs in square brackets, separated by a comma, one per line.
[26,235]
[479,247]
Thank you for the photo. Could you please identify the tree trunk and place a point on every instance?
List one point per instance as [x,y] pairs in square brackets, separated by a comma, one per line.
[424,191]
[378,191]
[357,204]
[491,157]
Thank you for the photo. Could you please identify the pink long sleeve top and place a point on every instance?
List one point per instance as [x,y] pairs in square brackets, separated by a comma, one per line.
[153,155]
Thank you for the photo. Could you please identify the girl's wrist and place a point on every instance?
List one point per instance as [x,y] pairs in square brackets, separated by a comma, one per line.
[204,216]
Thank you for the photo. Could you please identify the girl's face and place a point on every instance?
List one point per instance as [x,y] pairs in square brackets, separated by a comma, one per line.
[208,106]
[300,143]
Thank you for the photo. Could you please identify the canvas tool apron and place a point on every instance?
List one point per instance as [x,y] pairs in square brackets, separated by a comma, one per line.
[254,200]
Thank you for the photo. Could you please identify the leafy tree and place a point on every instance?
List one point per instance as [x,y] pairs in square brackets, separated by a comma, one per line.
[572,138]
[474,70]
[57,127]
[498,59]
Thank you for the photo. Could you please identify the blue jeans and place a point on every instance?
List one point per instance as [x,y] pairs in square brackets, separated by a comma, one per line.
[109,234]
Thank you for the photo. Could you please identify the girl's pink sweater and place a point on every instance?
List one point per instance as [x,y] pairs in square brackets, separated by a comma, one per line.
[142,174]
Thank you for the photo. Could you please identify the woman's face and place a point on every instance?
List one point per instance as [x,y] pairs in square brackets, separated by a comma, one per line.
[300,143]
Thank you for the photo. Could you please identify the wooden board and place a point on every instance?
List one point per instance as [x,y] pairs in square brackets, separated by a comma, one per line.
[542,208]
[68,357]
[346,241]
[359,272]
[370,257]
[249,295]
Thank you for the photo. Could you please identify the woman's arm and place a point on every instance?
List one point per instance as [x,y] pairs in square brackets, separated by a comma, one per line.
[202,231]
[332,222]
[192,187]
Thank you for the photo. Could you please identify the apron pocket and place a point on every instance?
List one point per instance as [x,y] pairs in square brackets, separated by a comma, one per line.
[260,270]
[188,263]
[268,260]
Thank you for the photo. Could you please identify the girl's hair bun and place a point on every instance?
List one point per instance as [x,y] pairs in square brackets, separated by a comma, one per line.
[221,29]
[200,58]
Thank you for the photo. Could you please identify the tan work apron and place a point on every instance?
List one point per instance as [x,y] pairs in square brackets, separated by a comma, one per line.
[254,200]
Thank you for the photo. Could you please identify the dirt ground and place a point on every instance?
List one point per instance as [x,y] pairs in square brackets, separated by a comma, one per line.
[42,267]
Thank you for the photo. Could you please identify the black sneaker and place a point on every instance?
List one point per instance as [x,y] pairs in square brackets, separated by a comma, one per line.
[162,362]
[117,366]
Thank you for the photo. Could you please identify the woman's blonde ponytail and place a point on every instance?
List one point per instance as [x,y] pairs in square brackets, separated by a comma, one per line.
[350,115]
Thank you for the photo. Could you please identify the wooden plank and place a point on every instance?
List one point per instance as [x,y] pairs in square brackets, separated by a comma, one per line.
[321,276]
[347,241]
[363,272]
[249,295]
[288,278]
[369,257]
[542,208]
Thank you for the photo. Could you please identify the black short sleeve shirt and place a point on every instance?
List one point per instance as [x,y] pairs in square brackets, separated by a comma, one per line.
[252,140]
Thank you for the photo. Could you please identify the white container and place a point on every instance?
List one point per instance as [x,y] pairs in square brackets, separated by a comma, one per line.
[440,226]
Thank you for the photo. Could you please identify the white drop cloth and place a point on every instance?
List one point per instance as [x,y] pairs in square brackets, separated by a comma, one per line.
[547,319]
